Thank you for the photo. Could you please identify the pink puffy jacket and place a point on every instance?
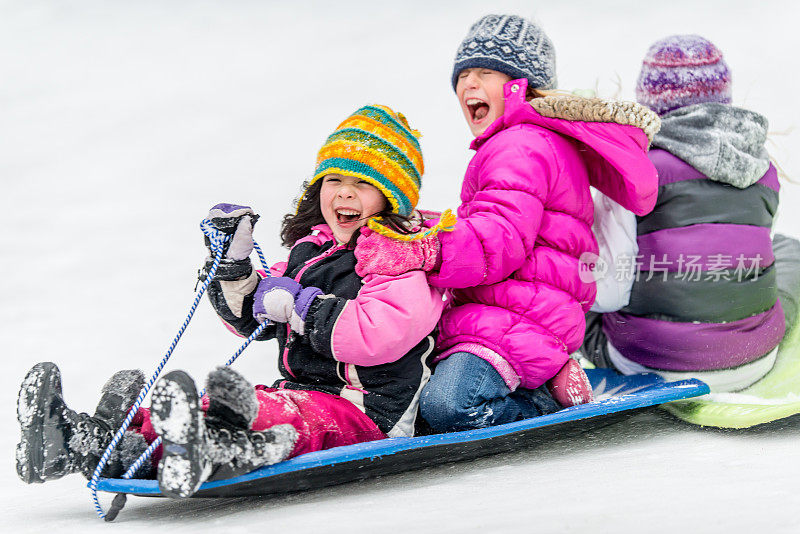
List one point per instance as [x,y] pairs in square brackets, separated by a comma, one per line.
[525,219]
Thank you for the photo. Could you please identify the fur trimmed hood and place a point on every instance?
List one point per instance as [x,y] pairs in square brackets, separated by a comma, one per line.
[576,108]
[613,136]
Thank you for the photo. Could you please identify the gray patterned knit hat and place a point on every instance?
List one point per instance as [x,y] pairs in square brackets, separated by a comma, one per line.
[511,45]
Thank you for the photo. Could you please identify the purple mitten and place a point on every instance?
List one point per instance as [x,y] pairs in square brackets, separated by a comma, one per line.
[236,221]
[274,299]
[377,254]
[283,300]
[302,303]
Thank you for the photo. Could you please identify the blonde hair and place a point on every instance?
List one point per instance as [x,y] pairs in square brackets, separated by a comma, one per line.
[782,174]
[532,93]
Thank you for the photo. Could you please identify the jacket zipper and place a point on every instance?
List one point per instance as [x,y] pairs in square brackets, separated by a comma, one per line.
[299,275]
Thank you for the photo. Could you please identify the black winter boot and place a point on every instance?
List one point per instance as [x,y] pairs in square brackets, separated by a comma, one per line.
[197,449]
[46,426]
[231,398]
[235,452]
[177,418]
[93,434]
[57,441]
[234,449]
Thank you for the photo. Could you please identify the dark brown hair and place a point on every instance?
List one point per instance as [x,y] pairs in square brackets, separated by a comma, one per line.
[296,226]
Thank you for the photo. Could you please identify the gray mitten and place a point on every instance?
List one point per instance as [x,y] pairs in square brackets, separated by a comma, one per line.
[237,222]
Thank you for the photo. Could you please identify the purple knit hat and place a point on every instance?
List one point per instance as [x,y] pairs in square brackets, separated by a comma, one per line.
[682,70]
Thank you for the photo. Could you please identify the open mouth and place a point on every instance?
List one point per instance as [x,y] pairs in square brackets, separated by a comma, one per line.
[345,215]
[478,109]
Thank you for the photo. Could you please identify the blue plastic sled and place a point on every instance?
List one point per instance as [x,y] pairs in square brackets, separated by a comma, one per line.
[615,397]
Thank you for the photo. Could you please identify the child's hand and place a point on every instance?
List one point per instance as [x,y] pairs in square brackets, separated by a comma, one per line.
[377,254]
[283,300]
[237,221]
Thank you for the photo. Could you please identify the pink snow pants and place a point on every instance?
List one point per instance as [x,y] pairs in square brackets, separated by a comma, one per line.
[322,420]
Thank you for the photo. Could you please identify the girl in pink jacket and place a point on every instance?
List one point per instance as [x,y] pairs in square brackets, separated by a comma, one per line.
[513,262]
[355,352]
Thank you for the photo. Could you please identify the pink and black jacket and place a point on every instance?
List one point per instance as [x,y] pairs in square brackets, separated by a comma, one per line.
[369,340]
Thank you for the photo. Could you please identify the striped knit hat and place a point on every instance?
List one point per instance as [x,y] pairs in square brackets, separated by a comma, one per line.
[682,70]
[377,145]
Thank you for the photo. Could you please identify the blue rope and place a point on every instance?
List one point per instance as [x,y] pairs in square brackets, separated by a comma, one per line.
[217,241]
[261,258]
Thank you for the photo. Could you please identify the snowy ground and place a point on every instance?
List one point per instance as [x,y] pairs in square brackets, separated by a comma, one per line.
[122,122]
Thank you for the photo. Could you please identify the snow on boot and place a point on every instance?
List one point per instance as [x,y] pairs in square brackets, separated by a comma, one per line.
[231,398]
[93,434]
[177,418]
[234,452]
[233,448]
[57,441]
[129,448]
[195,448]
[46,425]
[570,386]
[118,395]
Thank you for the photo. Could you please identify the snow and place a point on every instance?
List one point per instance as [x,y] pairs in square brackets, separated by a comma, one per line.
[173,411]
[124,122]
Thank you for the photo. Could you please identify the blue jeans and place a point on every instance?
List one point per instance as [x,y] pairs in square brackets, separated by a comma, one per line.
[466,392]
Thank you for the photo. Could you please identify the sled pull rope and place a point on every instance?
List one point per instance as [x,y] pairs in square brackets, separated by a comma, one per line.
[217,241]
[261,258]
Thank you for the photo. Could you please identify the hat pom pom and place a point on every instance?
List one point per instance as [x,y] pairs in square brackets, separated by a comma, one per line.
[447,222]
